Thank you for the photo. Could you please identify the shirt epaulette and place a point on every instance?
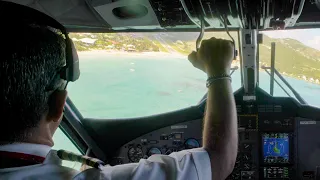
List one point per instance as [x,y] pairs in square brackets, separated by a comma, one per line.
[70,156]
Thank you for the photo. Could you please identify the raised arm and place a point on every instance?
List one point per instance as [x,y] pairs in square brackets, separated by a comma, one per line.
[220,136]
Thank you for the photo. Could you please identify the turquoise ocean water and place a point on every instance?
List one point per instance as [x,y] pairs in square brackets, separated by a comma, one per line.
[112,86]
[122,86]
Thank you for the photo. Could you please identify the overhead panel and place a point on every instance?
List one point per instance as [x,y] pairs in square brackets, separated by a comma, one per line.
[181,15]
[71,13]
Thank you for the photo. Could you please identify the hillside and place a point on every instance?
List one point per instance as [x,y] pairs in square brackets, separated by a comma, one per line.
[292,57]
[102,41]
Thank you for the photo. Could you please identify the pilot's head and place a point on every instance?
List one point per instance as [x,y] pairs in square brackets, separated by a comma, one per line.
[31,99]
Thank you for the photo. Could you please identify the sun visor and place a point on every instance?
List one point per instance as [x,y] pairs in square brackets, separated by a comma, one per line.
[70,13]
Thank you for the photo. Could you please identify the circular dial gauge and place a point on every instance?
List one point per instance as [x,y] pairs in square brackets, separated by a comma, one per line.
[153,151]
[191,143]
[135,154]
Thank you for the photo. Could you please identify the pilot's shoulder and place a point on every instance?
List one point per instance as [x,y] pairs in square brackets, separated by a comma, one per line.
[186,164]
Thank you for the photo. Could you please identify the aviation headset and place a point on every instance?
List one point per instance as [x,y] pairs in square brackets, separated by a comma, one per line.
[29,16]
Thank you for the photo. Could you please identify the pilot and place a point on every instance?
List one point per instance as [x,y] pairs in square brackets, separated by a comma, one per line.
[30,56]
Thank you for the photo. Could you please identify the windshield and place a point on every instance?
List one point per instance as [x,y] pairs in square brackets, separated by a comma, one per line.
[138,74]
[297,59]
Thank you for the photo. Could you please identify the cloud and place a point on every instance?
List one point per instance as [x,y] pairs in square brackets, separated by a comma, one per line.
[293,34]
[309,37]
[314,42]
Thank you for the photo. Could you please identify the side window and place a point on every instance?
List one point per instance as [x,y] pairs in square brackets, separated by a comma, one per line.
[61,141]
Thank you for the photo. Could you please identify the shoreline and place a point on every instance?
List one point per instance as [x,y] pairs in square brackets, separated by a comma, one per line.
[163,55]
[126,53]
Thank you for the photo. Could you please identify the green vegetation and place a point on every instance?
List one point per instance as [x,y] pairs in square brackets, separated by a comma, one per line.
[292,57]
[161,48]
[181,47]
[104,41]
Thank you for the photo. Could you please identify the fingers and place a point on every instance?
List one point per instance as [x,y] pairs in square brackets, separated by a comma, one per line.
[213,38]
[209,45]
[203,42]
[219,43]
[192,56]
[212,43]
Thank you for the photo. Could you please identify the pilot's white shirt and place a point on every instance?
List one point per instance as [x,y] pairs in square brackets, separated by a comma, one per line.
[191,164]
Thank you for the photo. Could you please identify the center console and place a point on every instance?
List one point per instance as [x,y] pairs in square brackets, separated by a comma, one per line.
[266,147]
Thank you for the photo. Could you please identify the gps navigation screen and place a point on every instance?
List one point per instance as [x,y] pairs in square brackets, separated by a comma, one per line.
[276,147]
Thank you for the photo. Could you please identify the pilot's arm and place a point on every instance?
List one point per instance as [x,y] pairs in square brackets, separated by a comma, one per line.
[220,133]
[217,157]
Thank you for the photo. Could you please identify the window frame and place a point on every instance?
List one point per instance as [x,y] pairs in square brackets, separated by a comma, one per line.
[74,138]
[72,127]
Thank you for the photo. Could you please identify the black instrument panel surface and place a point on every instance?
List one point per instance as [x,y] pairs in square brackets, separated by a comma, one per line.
[274,140]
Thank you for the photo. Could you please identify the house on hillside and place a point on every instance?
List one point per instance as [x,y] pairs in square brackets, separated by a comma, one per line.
[131,48]
[179,42]
[311,80]
[304,77]
[110,47]
[74,39]
[88,41]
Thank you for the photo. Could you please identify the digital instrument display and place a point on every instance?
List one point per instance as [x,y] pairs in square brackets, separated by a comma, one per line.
[276,147]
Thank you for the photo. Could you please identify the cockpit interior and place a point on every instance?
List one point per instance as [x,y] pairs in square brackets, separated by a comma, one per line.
[278,134]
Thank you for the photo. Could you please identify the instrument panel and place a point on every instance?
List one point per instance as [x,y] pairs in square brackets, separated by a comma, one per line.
[274,142]
[170,139]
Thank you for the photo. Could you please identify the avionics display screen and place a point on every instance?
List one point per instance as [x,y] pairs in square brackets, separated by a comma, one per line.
[276,147]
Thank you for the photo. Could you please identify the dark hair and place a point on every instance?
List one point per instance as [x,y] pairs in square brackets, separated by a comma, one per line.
[30,59]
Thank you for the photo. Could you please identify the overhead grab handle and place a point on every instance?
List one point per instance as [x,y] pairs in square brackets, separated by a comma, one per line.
[199,39]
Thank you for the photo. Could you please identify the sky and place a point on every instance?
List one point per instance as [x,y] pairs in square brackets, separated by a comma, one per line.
[309,37]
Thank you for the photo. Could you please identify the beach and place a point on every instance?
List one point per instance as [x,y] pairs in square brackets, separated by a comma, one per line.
[86,55]
[128,54]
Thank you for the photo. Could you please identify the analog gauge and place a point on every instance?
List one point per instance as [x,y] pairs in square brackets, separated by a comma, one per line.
[191,143]
[135,154]
[153,151]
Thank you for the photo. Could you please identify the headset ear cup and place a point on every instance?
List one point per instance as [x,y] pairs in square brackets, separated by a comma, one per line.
[72,70]
[29,16]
